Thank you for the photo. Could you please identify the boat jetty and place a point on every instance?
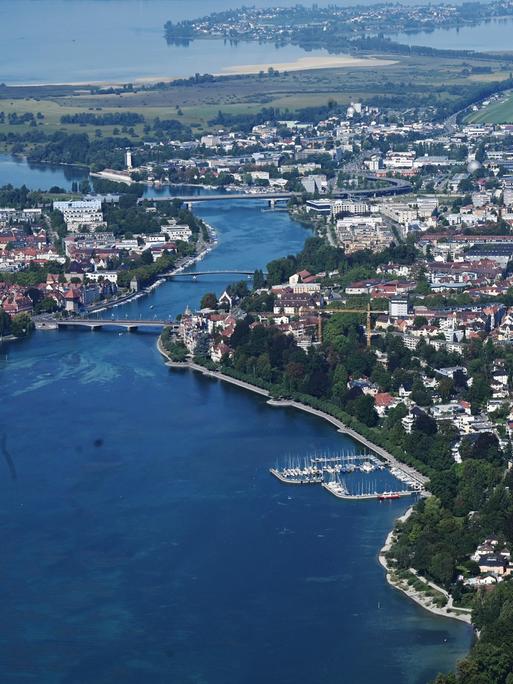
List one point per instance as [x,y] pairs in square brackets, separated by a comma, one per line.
[326,470]
[338,488]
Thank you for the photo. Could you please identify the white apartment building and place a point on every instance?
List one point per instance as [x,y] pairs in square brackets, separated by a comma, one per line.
[349,207]
[399,160]
[398,307]
[210,140]
[178,232]
[111,276]
[426,206]
[399,212]
[81,214]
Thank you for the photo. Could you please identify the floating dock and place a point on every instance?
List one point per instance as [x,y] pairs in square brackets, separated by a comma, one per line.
[298,476]
[327,471]
[340,491]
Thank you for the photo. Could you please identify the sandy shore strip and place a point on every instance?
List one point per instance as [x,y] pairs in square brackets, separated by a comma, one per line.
[426,602]
[306,63]
[300,64]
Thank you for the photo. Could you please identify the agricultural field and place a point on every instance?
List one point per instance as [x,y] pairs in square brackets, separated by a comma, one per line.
[51,111]
[500,112]
[436,80]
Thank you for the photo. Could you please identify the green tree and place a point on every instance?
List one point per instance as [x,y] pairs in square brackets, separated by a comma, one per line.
[208,301]
[442,567]
[363,409]
[420,395]
[258,280]
[241,333]
[21,325]
[5,323]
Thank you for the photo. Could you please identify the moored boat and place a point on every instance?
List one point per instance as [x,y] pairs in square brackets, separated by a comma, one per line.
[385,496]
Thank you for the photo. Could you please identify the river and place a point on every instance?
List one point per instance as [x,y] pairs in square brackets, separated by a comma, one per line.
[143,539]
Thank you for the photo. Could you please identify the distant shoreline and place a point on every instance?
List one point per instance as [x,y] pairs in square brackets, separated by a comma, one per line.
[306,63]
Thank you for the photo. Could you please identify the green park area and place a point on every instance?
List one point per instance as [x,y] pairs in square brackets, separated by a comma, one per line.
[498,112]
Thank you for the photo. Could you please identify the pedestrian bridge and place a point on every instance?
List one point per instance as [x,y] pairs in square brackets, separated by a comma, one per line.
[155,325]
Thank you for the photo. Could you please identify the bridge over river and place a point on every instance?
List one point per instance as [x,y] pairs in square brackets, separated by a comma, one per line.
[155,325]
[271,197]
[194,274]
[394,186]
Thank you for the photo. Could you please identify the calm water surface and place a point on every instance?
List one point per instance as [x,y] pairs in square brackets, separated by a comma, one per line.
[63,41]
[73,41]
[487,37]
[143,539]
[17,171]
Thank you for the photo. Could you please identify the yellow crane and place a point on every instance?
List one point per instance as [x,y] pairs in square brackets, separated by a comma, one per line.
[368,311]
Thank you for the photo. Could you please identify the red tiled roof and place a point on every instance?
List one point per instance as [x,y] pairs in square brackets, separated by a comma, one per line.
[383,399]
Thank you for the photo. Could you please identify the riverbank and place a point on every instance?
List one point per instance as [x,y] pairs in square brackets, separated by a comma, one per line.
[190,365]
[205,249]
[422,598]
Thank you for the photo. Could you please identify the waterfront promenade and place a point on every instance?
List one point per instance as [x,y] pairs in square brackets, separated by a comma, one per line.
[389,458]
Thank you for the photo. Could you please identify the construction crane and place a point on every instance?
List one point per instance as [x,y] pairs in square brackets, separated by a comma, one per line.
[368,311]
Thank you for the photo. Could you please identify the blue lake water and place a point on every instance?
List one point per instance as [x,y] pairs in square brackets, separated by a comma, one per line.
[143,539]
[486,37]
[17,171]
[74,41]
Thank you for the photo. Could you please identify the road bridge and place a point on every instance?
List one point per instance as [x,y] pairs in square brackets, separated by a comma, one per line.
[155,325]
[194,274]
[217,197]
[189,200]
[395,186]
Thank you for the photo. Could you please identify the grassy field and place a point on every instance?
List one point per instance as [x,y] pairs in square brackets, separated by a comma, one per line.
[418,78]
[500,112]
[52,110]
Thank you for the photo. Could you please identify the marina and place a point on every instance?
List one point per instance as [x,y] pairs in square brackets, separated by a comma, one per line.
[326,470]
[206,443]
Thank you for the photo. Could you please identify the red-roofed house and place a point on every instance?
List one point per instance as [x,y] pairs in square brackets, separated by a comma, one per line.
[383,401]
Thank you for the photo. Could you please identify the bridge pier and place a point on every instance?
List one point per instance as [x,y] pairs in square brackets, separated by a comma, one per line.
[188,205]
[271,203]
[132,328]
